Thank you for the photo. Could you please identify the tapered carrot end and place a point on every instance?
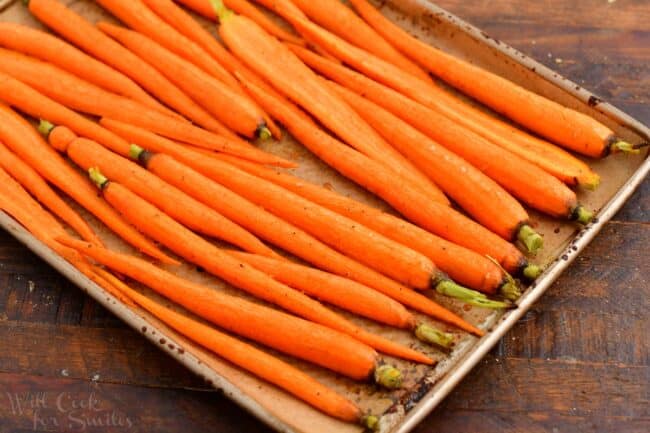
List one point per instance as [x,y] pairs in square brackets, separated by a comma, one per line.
[472,297]
[582,215]
[620,146]
[431,335]
[388,376]
[532,240]
[371,422]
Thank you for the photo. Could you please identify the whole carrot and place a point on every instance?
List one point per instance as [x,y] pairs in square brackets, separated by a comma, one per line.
[263,324]
[188,26]
[251,359]
[196,250]
[49,48]
[84,35]
[345,294]
[562,125]
[235,112]
[184,209]
[275,63]
[243,7]
[83,96]
[24,141]
[341,20]
[524,180]
[409,201]
[139,17]
[34,183]
[264,224]
[463,265]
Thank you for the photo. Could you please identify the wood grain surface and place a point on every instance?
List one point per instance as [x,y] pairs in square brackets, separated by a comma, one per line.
[578,362]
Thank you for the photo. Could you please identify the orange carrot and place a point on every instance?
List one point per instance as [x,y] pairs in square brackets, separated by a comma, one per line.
[78,94]
[257,322]
[251,359]
[264,224]
[341,233]
[185,24]
[341,20]
[49,48]
[562,125]
[235,112]
[345,294]
[83,34]
[275,63]
[463,265]
[139,17]
[189,212]
[23,140]
[435,218]
[524,180]
[330,288]
[34,183]
[196,250]
[475,192]
[243,7]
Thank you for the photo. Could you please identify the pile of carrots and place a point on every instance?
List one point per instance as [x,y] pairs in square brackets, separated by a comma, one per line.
[164,119]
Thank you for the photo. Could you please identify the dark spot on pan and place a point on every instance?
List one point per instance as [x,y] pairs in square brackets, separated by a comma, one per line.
[594,100]
[415,397]
[565,257]
[574,248]
[578,87]
[557,230]
[144,329]
[170,346]
[180,350]
[595,220]
[533,69]
[162,341]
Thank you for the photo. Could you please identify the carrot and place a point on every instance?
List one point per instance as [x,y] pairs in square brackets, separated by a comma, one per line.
[524,180]
[185,24]
[189,212]
[275,63]
[345,294]
[196,250]
[243,7]
[475,192]
[434,98]
[257,322]
[34,183]
[435,218]
[264,224]
[139,17]
[251,359]
[567,127]
[235,112]
[341,20]
[462,265]
[83,34]
[78,94]
[51,49]
[341,233]
[23,140]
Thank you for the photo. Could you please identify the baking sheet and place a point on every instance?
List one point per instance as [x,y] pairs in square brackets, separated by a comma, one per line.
[424,386]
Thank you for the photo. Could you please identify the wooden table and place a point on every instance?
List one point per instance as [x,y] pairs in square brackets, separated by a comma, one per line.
[578,362]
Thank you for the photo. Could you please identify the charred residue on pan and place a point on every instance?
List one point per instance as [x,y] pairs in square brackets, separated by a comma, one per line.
[594,100]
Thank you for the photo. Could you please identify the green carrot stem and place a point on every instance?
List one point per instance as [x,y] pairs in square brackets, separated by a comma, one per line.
[581,215]
[530,238]
[388,376]
[45,127]
[97,177]
[431,335]
[472,297]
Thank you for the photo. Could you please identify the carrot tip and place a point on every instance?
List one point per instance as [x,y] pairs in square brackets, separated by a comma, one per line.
[620,146]
[45,127]
[471,297]
[431,335]
[532,240]
[531,272]
[581,215]
[388,376]
[371,422]
[97,177]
